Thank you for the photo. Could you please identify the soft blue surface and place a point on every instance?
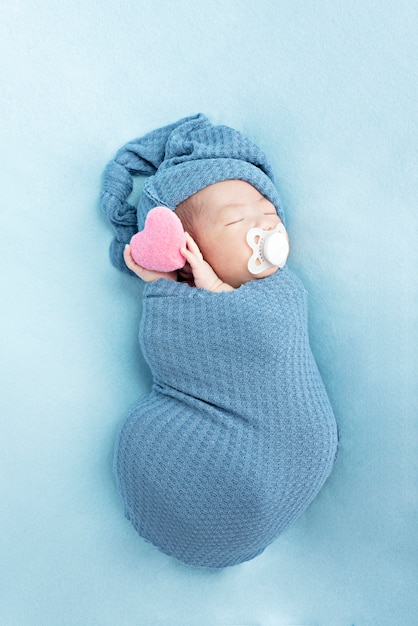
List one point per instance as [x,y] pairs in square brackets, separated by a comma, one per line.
[329,90]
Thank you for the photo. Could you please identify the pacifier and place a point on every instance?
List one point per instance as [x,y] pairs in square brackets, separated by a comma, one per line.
[270,248]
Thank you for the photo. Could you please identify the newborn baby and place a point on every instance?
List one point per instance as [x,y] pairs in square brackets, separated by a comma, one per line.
[237,435]
[220,217]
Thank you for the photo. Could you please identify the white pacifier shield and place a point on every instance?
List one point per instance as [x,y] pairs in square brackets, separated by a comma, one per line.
[270,248]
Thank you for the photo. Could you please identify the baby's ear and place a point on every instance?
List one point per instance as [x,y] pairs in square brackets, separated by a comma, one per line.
[157,247]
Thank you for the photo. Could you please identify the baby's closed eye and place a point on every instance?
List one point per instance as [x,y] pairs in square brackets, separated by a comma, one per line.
[235,221]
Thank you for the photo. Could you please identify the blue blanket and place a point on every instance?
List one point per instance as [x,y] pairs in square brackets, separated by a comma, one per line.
[237,435]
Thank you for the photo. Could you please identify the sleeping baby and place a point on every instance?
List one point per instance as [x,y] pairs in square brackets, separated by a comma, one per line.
[236,436]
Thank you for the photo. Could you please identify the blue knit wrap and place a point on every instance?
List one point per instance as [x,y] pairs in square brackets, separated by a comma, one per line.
[237,435]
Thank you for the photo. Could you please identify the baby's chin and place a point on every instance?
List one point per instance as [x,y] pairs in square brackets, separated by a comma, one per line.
[249,277]
[267,272]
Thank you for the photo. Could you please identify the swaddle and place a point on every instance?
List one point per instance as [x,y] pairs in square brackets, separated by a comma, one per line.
[237,435]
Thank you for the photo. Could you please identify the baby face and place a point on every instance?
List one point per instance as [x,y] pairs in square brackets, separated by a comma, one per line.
[226,212]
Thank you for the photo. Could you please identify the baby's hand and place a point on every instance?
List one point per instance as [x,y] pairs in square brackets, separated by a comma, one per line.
[147,275]
[203,274]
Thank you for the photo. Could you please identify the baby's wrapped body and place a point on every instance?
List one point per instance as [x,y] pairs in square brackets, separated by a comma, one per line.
[237,435]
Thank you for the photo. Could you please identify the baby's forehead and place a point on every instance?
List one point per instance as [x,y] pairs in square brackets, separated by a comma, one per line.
[229,194]
[222,202]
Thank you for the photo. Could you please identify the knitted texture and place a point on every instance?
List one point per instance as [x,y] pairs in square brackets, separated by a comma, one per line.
[179,159]
[237,435]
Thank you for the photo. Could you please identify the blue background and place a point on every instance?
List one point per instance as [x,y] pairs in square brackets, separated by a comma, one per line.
[329,90]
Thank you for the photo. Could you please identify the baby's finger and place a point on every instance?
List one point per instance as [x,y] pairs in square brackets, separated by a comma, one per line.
[192,246]
[189,256]
[128,258]
[195,261]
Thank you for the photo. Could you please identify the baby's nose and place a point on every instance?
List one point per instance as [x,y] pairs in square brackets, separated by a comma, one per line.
[268,222]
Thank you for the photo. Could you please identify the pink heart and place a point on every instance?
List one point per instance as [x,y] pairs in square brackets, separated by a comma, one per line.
[157,247]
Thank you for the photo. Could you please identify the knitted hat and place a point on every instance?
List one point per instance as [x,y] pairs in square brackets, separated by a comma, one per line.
[179,159]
